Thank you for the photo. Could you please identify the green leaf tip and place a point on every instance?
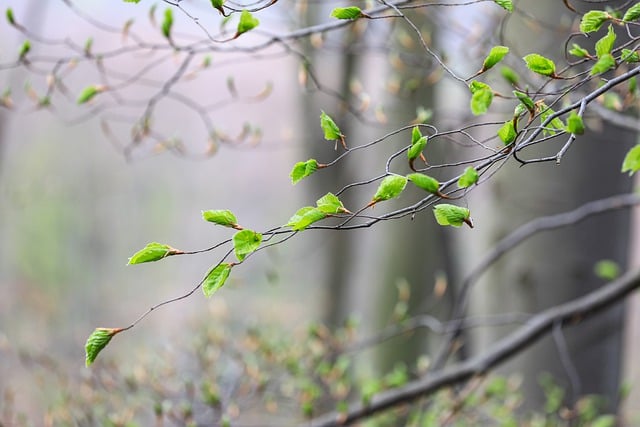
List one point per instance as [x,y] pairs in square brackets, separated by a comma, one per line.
[302,170]
[607,269]
[593,20]
[330,204]
[631,161]
[97,341]
[25,48]
[246,242]
[153,252]
[304,217]
[351,12]
[216,278]
[452,215]
[390,187]
[88,93]
[632,14]
[331,130]
[167,23]
[425,182]
[131,1]
[495,55]
[507,132]
[505,4]
[10,17]
[575,124]
[605,44]
[218,4]
[223,217]
[541,65]
[468,177]
[481,98]
[247,22]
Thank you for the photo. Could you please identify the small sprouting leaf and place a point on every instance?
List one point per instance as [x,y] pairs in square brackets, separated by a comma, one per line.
[246,242]
[605,63]
[632,13]
[607,269]
[495,55]
[304,217]
[468,177]
[575,124]
[390,187]
[303,169]
[247,22]
[631,161]
[97,341]
[580,52]
[351,12]
[24,49]
[539,64]
[510,75]
[555,123]
[225,218]
[216,278]
[525,99]
[507,132]
[452,215]
[218,4]
[629,56]
[330,204]
[10,18]
[416,148]
[425,182]
[605,44]
[415,135]
[505,4]
[593,20]
[167,23]
[88,93]
[481,97]
[153,252]
[330,128]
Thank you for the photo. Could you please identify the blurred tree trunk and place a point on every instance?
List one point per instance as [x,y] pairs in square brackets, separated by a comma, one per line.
[555,267]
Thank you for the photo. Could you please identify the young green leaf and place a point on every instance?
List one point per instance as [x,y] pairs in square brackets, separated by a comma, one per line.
[631,161]
[605,63]
[88,93]
[25,47]
[526,100]
[505,4]
[468,177]
[593,20]
[575,124]
[304,217]
[607,269]
[246,242]
[167,23]
[330,204]
[629,56]
[97,341]
[452,215]
[218,4]
[351,12]
[416,148]
[216,279]
[495,55]
[555,123]
[481,98]
[390,187]
[330,128]
[580,52]
[605,44]
[510,75]
[302,170]
[632,13]
[225,218]
[541,65]
[416,135]
[10,17]
[425,182]
[153,252]
[507,132]
[247,22]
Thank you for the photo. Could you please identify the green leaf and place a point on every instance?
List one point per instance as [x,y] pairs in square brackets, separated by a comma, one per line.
[525,99]
[216,279]
[505,4]
[631,161]
[218,4]
[304,217]
[555,123]
[167,23]
[507,132]
[330,204]
[88,93]
[510,75]
[246,242]
[10,17]
[632,13]
[225,218]
[605,63]
[607,269]
[495,55]
[633,85]
[605,44]
[416,135]
[390,187]
[425,182]
[97,341]
[629,56]
[468,177]
[593,20]
[302,170]
[131,1]
[452,215]
[351,12]
[153,252]
[416,148]
[481,97]
[579,51]
[539,64]
[247,22]
[575,124]
[330,128]
[607,420]
[24,49]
